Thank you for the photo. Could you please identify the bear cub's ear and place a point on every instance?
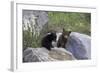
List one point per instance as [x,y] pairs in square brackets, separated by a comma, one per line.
[66,32]
[69,32]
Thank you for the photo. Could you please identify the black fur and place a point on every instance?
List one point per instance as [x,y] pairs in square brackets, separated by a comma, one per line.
[47,40]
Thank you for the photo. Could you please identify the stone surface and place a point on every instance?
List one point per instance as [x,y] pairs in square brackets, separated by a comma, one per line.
[43,55]
[35,20]
[79,45]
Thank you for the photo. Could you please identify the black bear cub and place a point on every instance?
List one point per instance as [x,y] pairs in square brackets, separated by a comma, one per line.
[63,39]
[48,39]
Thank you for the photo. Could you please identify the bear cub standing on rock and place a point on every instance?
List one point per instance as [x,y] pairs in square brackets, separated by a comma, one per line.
[48,39]
[63,39]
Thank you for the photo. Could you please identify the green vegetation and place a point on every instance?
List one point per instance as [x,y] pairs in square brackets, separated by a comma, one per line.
[76,22]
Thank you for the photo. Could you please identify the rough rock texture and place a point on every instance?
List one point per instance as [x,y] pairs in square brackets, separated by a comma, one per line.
[79,45]
[42,54]
[41,18]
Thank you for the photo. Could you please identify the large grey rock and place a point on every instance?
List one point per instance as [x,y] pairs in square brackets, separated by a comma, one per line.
[79,45]
[40,20]
[43,55]
[42,17]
